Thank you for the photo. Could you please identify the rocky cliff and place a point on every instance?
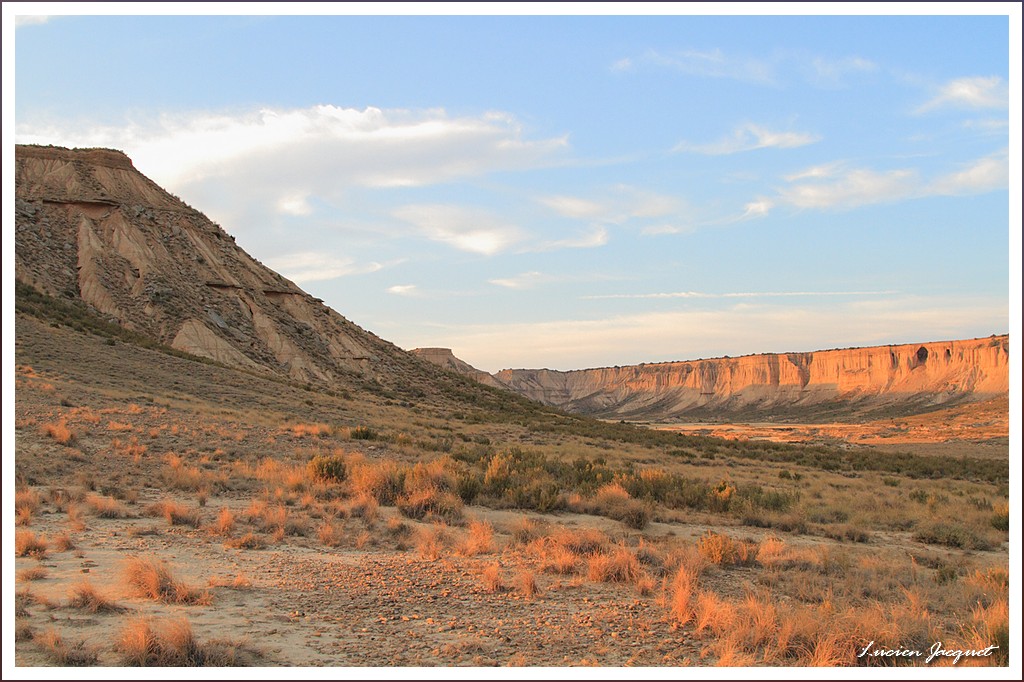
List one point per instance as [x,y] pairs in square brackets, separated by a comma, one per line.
[898,379]
[90,226]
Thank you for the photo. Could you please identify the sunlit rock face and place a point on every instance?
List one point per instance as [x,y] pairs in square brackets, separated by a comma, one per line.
[910,377]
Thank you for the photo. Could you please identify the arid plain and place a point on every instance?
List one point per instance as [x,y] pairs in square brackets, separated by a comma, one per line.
[178,505]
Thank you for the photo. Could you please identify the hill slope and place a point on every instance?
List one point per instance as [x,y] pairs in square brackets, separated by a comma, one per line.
[91,228]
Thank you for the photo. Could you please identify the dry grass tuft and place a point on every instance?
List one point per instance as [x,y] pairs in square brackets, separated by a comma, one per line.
[491,577]
[526,583]
[26,503]
[173,644]
[479,539]
[66,654]
[63,542]
[60,432]
[152,579]
[106,507]
[620,566]
[26,543]
[175,513]
[225,524]
[30,574]
[248,541]
[85,596]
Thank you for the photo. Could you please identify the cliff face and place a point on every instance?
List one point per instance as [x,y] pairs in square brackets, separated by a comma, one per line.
[90,226]
[911,378]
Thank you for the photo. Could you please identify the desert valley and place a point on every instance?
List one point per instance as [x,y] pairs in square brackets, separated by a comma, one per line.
[213,468]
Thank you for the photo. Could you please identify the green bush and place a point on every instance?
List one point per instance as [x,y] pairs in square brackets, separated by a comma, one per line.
[328,467]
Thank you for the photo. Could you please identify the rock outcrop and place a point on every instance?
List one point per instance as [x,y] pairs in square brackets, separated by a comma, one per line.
[90,226]
[443,357]
[898,379]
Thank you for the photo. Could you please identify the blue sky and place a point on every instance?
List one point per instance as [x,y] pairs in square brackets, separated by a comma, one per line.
[575,191]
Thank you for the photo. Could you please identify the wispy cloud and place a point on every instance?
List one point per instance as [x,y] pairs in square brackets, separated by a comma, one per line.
[854,188]
[834,186]
[983,175]
[747,138]
[524,280]
[744,294]
[832,73]
[467,229]
[976,92]
[308,266]
[404,290]
[712,63]
[592,237]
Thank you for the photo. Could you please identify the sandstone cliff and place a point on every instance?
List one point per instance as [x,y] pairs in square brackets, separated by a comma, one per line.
[898,379]
[90,226]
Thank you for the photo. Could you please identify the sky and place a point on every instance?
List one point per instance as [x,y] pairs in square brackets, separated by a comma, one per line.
[573,191]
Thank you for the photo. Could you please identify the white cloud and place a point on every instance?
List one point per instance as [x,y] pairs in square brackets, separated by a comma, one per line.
[757,209]
[404,290]
[855,188]
[982,175]
[747,138]
[309,266]
[295,204]
[234,162]
[467,229]
[832,186]
[977,92]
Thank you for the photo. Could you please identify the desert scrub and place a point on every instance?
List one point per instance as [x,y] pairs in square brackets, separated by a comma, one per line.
[26,503]
[952,535]
[152,579]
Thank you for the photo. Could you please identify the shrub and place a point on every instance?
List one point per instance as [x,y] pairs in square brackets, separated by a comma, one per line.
[479,540]
[329,468]
[363,433]
[106,507]
[1001,517]
[952,535]
[491,577]
[433,503]
[621,566]
[526,583]
[248,541]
